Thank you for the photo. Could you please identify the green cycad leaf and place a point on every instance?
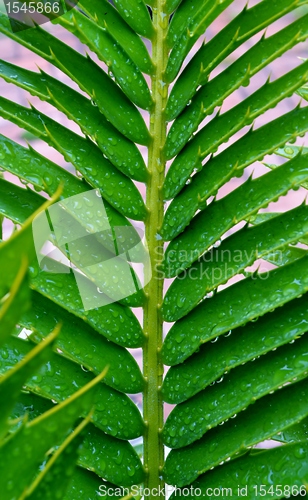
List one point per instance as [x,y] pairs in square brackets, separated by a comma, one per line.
[230,163]
[286,467]
[35,438]
[221,128]
[114,412]
[125,72]
[235,393]
[136,15]
[243,344]
[15,256]
[303,92]
[189,22]
[53,480]
[117,108]
[74,340]
[105,272]
[114,278]
[29,405]
[117,461]
[238,74]
[17,301]
[82,153]
[107,17]
[16,203]
[120,151]
[33,168]
[182,18]
[107,456]
[285,256]
[265,418]
[298,432]
[130,241]
[263,217]
[289,152]
[11,257]
[113,321]
[245,25]
[217,218]
[12,380]
[244,301]
[28,201]
[234,255]
[87,485]
[171,5]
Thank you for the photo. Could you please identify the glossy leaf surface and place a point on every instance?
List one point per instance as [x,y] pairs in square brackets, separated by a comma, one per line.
[269,415]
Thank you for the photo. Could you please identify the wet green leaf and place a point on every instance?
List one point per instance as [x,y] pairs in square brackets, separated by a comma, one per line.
[29,405]
[265,418]
[54,479]
[241,28]
[107,273]
[280,471]
[16,203]
[239,73]
[33,168]
[84,481]
[59,378]
[89,76]
[231,258]
[35,438]
[303,92]
[295,433]
[237,347]
[49,182]
[236,305]
[87,485]
[11,257]
[223,126]
[120,65]
[187,17]
[74,340]
[189,421]
[84,275]
[188,23]
[15,375]
[120,151]
[114,186]
[137,16]
[171,5]
[107,17]
[113,321]
[230,163]
[13,304]
[117,461]
[242,203]
[286,256]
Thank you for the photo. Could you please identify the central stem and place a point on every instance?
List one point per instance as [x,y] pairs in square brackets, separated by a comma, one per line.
[153,325]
